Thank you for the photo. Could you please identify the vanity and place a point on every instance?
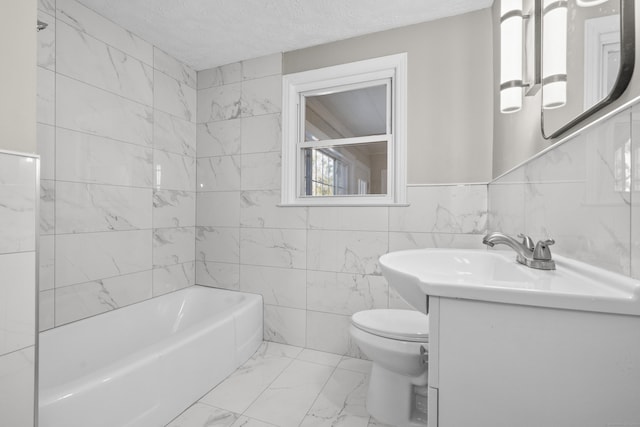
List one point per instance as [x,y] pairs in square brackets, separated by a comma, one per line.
[515,346]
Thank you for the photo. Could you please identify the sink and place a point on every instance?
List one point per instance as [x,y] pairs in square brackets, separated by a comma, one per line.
[496,276]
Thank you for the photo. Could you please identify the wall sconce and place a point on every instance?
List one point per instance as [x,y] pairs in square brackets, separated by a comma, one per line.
[519,53]
[554,53]
[511,47]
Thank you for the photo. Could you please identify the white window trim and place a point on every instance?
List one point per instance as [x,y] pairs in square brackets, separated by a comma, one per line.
[394,66]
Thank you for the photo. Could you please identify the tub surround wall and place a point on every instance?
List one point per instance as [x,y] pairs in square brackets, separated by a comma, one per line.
[582,193]
[116,133]
[18,192]
[314,266]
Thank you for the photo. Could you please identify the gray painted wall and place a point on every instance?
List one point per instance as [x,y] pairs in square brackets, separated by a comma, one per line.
[18,81]
[450,91]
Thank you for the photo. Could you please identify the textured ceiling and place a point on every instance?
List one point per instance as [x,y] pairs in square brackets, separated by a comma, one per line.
[208,33]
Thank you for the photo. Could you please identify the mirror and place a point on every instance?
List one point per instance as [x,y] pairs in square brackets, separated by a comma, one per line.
[596,66]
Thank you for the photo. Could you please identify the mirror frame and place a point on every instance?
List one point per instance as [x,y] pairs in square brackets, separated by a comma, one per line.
[627,63]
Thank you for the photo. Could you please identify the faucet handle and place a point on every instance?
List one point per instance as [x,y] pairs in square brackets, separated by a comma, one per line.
[542,251]
[526,241]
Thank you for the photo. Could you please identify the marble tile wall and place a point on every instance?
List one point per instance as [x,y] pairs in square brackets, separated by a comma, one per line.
[155,178]
[117,138]
[18,195]
[582,193]
[314,266]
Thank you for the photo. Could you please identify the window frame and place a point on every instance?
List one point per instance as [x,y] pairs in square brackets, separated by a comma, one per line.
[326,80]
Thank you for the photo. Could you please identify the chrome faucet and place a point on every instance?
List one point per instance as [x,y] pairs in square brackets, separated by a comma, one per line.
[538,256]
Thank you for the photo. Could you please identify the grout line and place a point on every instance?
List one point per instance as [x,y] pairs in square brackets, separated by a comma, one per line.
[101,184]
[92,85]
[82,233]
[18,350]
[109,138]
[26,251]
[121,141]
[131,100]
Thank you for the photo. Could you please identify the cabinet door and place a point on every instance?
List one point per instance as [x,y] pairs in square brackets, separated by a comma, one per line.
[503,365]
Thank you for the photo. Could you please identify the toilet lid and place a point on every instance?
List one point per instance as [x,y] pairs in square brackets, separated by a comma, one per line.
[405,325]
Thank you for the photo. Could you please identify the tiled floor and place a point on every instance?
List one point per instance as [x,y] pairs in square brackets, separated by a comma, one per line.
[287,386]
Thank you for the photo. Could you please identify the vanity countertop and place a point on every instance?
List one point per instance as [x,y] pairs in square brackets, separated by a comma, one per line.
[496,276]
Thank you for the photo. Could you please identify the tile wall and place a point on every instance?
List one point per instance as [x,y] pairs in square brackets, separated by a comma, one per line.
[314,266]
[118,122]
[18,193]
[582,193]
[116,133]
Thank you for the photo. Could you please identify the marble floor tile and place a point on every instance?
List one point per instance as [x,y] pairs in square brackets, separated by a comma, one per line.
[286,401]
[241,388]
[341,402]
[283,385]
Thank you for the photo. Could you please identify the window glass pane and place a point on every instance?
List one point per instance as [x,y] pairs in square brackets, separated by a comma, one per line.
[355,169]
[351,113]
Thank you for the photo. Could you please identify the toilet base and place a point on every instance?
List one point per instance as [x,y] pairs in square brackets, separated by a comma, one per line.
[390,398]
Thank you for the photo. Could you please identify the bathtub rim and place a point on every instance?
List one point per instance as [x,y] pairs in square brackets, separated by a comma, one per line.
[247,303]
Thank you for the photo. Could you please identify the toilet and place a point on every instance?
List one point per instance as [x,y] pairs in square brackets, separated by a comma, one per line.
[392,339]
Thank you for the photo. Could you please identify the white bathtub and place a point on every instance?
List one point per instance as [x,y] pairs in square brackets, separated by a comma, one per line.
[144,364]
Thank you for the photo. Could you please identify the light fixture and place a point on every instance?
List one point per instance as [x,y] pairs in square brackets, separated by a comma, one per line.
[511,61]
[554,53]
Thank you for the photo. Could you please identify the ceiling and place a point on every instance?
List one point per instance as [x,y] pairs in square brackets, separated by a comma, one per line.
[209,33]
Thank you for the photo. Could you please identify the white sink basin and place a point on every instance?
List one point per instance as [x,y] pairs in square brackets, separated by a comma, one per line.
[496,276]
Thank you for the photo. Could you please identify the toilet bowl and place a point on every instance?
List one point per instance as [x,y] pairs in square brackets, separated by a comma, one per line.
[392,339]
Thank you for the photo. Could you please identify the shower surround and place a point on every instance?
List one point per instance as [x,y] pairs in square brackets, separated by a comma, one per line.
[116,133]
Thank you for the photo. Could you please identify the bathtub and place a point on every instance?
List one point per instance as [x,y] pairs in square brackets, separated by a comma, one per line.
[144,364]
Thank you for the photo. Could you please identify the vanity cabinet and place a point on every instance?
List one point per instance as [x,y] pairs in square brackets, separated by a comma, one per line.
[507,365]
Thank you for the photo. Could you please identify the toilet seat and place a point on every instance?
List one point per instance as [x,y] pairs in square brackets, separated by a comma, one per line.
[403,325]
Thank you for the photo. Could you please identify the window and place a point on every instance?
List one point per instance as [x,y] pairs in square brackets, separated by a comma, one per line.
[325,174]
[344,134]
